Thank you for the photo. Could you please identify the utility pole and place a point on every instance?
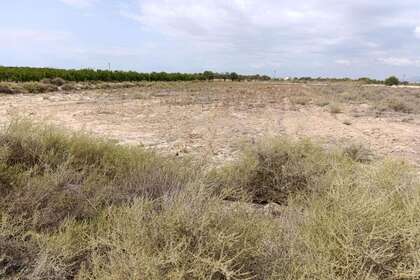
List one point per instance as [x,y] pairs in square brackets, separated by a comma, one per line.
[109,66]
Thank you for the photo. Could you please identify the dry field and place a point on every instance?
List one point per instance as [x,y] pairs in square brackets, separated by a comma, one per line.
[212,119]
[74,206]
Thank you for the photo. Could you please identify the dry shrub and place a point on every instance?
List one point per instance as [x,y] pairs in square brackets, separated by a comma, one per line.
[358,152]
[364,226]
[37,87]
[335,108]
[58,81]
[350,96]
[53,81]
[396,105]
[274,169]
[6,89]
[69,87]
[10,88]
[17,250]
[191,236]
[49,176]
[322,102]
[300,100]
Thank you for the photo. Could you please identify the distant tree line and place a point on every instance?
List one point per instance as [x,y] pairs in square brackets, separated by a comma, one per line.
[26,74]
[209,75]
[29,74]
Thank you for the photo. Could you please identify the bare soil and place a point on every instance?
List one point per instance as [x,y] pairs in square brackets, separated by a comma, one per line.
[211,119]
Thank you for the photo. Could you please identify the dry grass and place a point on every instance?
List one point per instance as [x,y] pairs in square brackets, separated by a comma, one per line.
[397,105]
[77,207]
[48,176]
[335,108]
[10,88]
[300,100]
[250,94]
[57,84]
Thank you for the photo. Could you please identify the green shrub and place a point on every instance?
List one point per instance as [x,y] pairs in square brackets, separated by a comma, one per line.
[392,81]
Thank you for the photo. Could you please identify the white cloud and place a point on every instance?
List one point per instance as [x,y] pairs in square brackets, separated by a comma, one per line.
[343,62]
[254,30]
[417,32]
[29,36]
[79,3]
[115,51]
[291,34]
[400,61]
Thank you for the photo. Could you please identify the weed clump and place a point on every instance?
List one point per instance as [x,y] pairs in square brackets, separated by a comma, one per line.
[273,170]
[36,87]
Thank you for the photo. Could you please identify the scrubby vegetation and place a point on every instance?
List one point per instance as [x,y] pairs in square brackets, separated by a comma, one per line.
[77,207]
[57,84]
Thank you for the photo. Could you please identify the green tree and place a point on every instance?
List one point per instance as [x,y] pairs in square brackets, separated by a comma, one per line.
[209,75]
[392,81]
[234,76]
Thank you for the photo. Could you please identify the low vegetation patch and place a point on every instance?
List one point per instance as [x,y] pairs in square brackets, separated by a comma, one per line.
[335,108]
[396,105]
[300,100]
[275,169]
[58,84]
[77,207]
[48,176]
[10,88]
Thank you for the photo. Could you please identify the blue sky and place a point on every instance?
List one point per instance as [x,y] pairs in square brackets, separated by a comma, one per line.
[293,38]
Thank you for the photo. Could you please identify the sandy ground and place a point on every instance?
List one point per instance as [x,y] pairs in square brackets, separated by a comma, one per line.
[212,122]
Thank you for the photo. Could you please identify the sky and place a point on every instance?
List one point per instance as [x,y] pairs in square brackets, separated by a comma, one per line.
[328,38]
